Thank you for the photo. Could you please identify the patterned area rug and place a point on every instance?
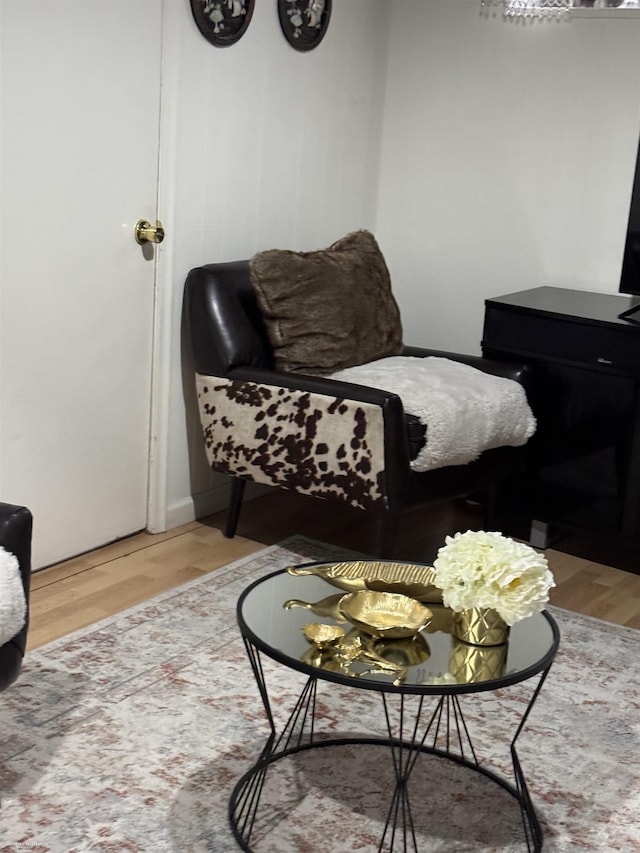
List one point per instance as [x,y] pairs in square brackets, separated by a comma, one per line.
[129,736]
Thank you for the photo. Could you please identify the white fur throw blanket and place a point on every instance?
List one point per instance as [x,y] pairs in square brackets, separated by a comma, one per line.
[13,606]
[465,410]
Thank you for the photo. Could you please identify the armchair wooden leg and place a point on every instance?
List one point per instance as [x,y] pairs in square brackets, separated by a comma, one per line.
[235,502]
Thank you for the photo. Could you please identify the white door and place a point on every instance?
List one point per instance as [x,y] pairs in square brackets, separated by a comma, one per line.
[80,94]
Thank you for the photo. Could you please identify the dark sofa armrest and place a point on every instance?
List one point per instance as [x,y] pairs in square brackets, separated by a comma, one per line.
[16,525]
[15,536]
[397,452]
[390,403]
[315,385]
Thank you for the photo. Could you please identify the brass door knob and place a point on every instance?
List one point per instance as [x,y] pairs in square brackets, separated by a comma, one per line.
[145,232]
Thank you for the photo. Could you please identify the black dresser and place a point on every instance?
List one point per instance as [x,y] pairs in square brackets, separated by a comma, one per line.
[585,457]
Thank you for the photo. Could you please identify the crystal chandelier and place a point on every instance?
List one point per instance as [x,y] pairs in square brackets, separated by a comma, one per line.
[531,8]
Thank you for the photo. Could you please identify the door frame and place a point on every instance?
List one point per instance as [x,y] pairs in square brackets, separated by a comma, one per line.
[161,356]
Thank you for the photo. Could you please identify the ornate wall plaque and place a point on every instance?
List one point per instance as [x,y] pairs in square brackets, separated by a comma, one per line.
[222,22]
[304,22]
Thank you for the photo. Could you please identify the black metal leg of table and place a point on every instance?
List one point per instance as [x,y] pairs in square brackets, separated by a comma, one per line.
[438,729]
[399,823]
[409,735]
[532,829]
[298,728]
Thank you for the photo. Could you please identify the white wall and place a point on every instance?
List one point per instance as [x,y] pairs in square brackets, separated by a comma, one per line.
[487,156]
[265,147]
[507,160]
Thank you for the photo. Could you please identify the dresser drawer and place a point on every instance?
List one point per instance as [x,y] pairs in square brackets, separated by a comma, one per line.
[563,340]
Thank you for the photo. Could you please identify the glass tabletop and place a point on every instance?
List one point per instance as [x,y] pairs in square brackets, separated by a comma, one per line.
[274,610]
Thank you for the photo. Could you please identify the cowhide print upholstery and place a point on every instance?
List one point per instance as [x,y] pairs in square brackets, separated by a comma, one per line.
[311,443]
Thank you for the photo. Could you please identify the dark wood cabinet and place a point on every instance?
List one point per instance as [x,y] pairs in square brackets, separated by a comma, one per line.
[585,457]
[565,326]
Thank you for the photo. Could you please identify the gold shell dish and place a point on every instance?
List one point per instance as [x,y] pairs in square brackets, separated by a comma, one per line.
[407,579]
[322,635]
[406,651]
[385,614]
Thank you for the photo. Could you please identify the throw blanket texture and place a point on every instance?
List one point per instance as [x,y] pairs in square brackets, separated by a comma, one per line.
[13,607]
[465,410]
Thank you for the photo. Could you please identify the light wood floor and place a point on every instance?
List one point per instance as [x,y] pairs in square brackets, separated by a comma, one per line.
[86,589]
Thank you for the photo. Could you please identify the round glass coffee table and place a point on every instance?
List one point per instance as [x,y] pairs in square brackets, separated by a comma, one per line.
[430,669]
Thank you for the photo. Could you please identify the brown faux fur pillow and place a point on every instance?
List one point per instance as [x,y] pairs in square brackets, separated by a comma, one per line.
[329,309]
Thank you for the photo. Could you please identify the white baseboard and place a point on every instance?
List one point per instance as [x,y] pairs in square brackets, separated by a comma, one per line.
[205,503]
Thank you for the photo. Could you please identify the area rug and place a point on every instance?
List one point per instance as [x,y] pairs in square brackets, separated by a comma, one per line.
[129,735]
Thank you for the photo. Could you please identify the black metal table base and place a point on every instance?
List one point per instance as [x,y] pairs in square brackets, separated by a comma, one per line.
[437,728]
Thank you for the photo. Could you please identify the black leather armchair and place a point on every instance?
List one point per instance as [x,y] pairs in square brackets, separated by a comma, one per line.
[15,536]
[237,383]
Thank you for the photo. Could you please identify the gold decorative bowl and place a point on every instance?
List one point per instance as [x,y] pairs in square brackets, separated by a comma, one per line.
[385,614]
[322,635]
[406,651]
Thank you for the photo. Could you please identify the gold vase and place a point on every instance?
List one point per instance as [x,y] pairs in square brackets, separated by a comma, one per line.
[480,626]
[469,664]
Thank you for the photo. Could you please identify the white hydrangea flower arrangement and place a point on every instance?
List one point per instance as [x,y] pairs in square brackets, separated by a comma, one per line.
[486,569]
